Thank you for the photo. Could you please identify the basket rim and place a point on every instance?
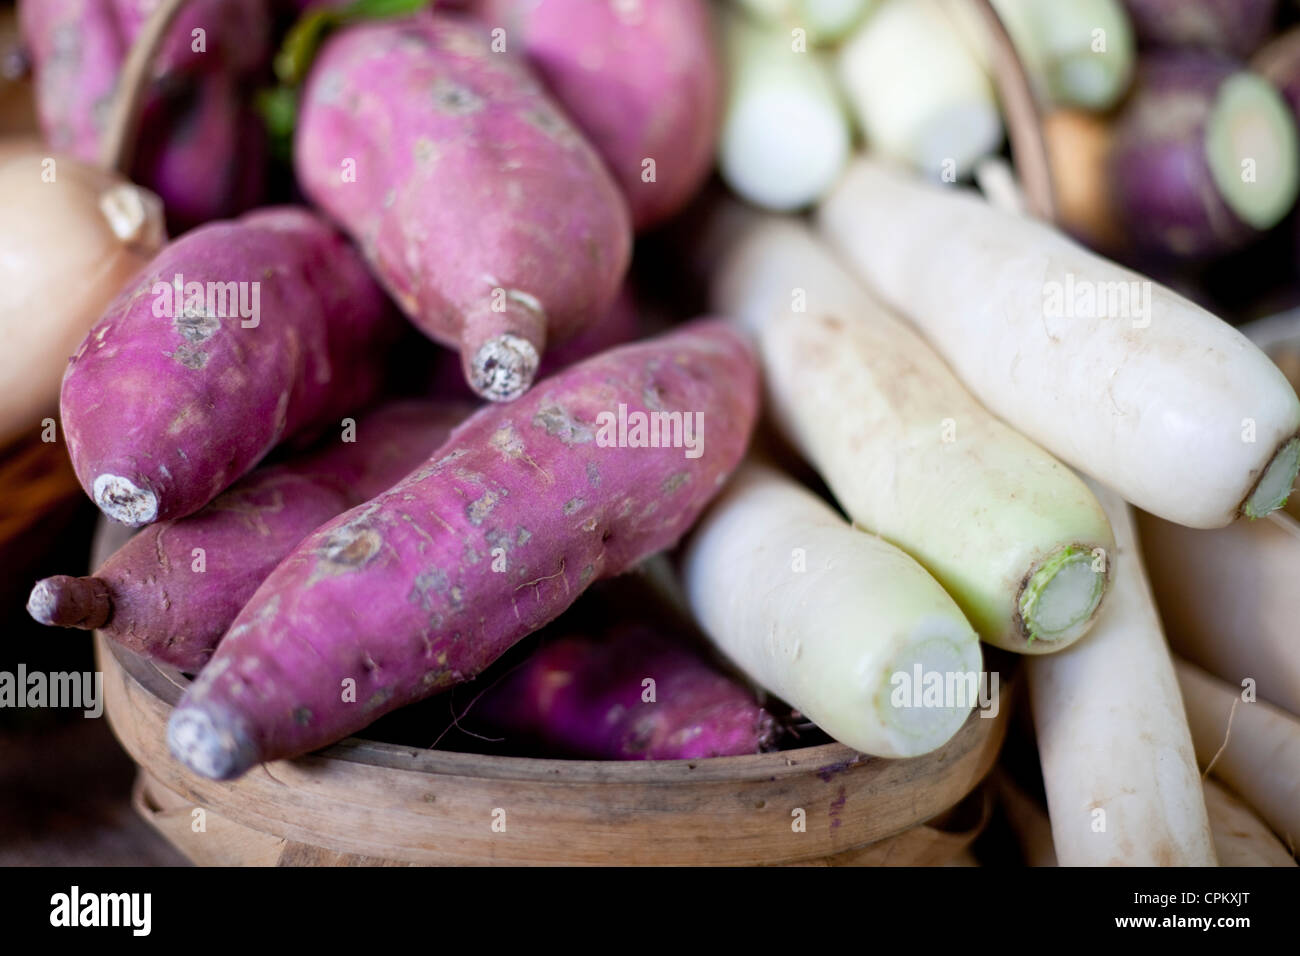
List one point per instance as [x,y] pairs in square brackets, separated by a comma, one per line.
[166,684]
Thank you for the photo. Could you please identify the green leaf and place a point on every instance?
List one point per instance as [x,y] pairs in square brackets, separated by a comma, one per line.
[279,105]
[378,9]
[303,40]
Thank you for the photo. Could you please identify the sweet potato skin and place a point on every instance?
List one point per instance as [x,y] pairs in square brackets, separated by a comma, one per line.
[180,406]
[164,609]
[480,207]
[642,80]
[203,152]
[583,695]
[427,584]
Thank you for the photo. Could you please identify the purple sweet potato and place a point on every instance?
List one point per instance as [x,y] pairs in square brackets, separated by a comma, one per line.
[280,331]
[585,696]
[484,212]
[640,78]
[1236,27]
[162,598]
[427,584]
[205,154]
[198,105]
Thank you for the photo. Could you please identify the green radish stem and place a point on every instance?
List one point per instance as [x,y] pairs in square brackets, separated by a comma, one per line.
[1275,484]
[1058,601]
[1251,122]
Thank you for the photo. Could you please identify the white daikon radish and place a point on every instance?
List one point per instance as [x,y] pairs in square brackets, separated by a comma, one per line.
[1259,757]
[1120,377]
[839,624]
[1011,533]
[785,132]
[823,21]
[1118,763]
[1076,52]
[1240,837]
[1230,601]
[918,89]
[72,236]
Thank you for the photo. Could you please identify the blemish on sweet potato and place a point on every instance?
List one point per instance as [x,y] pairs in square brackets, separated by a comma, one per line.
[352,547]
[481,507]
[560,424]
[196,327]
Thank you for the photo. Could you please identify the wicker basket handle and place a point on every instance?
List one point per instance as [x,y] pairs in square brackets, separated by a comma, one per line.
[120,134]
[1024,125]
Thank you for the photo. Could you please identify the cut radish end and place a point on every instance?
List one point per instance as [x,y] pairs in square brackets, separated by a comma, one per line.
[1086,78]
[1275,484]
[962,133]
[1252,150]
[1061,596]
[917,721]
[783,150]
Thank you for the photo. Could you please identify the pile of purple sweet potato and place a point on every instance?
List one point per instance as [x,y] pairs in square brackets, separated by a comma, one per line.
[318,545]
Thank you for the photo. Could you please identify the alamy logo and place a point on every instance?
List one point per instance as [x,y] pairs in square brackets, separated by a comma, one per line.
[208,300]
[651,430]
[1085,299]
[103,909]
[82,691]
[960,689]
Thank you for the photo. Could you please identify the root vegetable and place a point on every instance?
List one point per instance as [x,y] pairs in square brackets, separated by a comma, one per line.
[1240,837]
[1077,52]
[585,696]
[1011,533]
[277,331]
[509,521]
[918,89]
[483,211]
[785,133]
[73,235]
[1204,156]
[207,155]
[203,154]
[1112,738]
[1229,600]
[1258,756]
[1113,374]
[824,21]
[833,621]
[641,79]
[171,592]
[1237,27]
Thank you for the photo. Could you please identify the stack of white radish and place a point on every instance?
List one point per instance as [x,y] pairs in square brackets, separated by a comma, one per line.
[946,365]
[938,363]
[911,76]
